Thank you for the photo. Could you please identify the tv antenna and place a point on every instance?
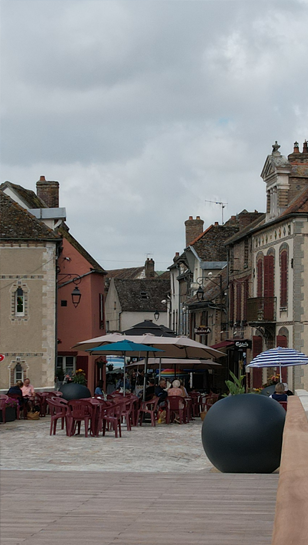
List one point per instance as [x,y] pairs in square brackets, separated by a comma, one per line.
[223,205]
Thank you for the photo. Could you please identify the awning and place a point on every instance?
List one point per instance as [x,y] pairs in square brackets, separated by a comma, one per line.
[223,344]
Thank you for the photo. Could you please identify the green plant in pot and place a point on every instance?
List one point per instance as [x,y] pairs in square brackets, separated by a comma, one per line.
[236,387]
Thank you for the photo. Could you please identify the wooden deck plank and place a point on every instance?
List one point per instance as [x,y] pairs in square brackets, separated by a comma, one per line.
[129,509]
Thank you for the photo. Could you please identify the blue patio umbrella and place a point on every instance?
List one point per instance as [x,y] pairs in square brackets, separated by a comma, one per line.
[279,357]
[124,347]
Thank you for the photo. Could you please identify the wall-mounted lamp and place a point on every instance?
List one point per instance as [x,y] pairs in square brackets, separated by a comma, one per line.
[156,315]
[200,293]
[76,296]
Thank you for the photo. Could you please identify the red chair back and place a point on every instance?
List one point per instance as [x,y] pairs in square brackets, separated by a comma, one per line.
[284,404]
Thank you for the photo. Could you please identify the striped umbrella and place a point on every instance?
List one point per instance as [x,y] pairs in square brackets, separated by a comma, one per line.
[279,357]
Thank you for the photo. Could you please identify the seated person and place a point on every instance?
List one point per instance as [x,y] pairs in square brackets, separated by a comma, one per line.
[161,392]
[99,388]
[286,390]
[176,390]
[183,388]
[16,391]
[27,389]
[150,390]
[279,394]
[120,383]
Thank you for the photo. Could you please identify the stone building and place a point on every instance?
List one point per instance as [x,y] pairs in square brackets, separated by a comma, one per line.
[268,266]
[28,257]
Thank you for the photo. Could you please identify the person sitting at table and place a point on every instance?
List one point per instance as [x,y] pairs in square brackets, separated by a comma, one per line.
[183,388]
[16,390]
[176,390]
[27,389]
[150,390]
[161,392]
[286,390]
[99,389]
[279,394]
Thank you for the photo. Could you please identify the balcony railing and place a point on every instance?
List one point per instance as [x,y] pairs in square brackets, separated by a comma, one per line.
[261,309]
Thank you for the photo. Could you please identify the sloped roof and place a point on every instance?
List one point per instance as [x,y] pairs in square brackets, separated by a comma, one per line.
[210,244]
[28,196]
[243,232]
[299,205]
[64,232]
[16,223]
[130,273]
[142,295]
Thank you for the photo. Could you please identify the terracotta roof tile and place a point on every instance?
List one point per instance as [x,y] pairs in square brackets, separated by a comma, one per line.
[142,295]
[16,223]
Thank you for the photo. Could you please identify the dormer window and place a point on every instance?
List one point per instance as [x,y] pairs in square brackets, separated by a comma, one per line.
[19,302]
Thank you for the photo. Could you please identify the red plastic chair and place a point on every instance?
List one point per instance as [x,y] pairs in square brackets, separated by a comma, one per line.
[81,411]
[111,414]
[188,409]
[59,408]
[175,405]
[148,407]
[41,401]
[284,404]
[196,402]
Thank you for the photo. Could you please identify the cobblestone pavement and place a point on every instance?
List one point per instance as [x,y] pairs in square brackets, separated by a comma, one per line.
[27,445]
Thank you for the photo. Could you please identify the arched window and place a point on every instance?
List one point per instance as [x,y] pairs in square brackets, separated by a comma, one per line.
[283,279]
[18,372]
[19,302]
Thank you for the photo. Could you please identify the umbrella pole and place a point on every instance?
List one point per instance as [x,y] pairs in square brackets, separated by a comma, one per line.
[144,378]
[124,381]
[159,370]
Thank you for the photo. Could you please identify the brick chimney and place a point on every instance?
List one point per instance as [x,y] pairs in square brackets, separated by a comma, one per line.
[194,228]
[149,268]
[48,192]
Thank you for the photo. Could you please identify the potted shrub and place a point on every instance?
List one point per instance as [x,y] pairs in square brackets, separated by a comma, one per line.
[10,406]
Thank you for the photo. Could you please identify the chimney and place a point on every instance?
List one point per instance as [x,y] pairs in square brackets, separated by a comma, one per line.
[296,148]
[149,268]
[305,148]
[216,223]
[48,192]
[176,257]
[194,228]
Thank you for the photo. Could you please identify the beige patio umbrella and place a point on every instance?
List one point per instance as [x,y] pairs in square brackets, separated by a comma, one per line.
[174,347]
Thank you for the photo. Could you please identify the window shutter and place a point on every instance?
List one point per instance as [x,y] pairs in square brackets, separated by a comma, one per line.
[231,302]
[282,341]
[238,302]
[283,278]
[269,276]
[257,346]
[260,278]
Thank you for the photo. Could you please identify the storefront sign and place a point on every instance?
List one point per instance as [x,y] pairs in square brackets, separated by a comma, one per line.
[203,330]
[242,345]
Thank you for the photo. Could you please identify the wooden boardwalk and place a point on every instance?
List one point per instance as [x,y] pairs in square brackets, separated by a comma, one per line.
[107,508]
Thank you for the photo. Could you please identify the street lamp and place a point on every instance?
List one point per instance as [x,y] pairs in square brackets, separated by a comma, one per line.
[76,279]
[200,293]
[156,315]
[76,296]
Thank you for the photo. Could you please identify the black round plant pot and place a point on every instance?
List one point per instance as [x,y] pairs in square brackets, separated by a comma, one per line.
[71,390]
[243,434]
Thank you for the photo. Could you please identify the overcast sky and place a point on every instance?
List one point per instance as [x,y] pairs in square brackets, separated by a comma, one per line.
[145,109]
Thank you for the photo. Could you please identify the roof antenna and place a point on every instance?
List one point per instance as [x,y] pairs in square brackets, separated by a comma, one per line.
[223,205]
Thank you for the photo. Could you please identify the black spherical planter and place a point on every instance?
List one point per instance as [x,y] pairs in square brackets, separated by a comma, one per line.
[71,390]
[243,434]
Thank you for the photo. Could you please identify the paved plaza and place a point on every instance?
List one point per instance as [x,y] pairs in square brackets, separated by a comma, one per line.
[152,486]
